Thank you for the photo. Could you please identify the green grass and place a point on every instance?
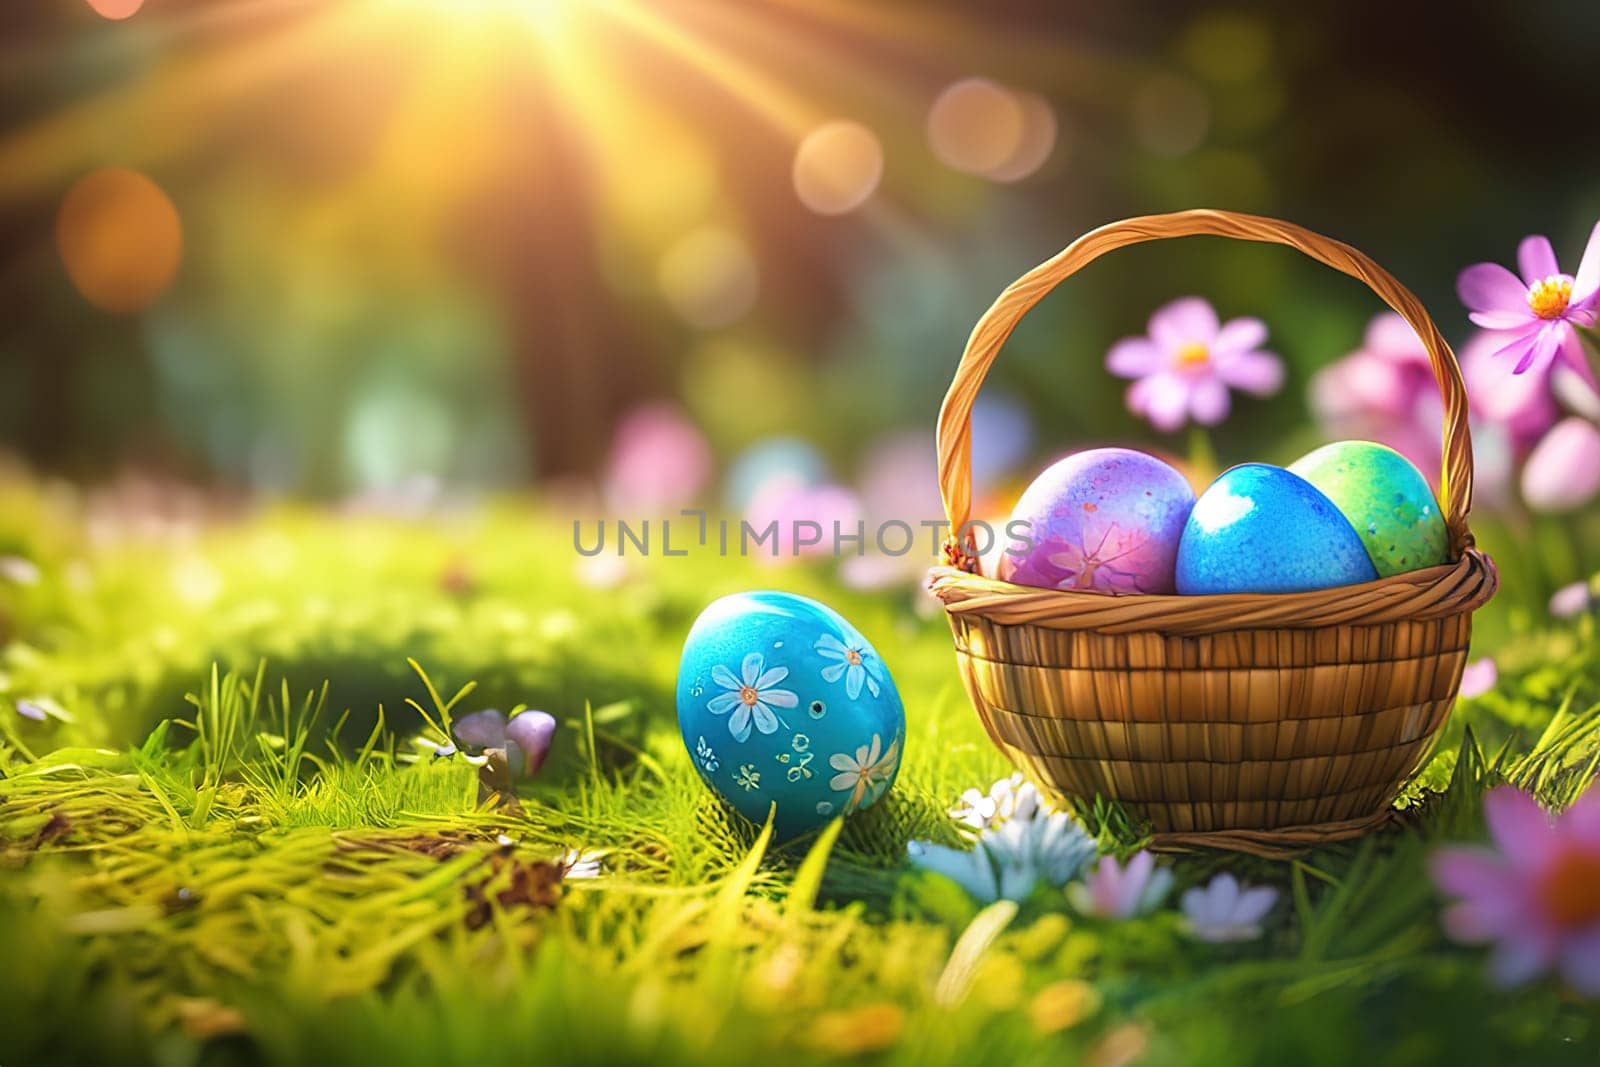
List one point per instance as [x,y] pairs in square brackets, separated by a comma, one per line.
[215,853]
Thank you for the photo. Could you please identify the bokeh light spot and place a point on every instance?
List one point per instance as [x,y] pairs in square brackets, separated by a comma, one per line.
[976,126]
[120,239]
[115,9]
[1038,139]
[837,167]
[1171,116]
[1228,47]
[709,277]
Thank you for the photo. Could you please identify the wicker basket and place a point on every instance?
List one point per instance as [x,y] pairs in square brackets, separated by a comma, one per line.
[1251,721]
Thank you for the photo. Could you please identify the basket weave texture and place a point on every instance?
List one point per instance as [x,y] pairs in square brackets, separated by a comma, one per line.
[1258,722]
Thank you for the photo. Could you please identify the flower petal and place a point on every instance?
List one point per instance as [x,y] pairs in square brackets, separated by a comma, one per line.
[1570,601]
[532,732]
[1134,357]
[1187,320]
[1545,346]
[1208,401]
[1471,872]
[780,698]
[1239,335]
[852,681]
[1391,337]
[1478,678]
[833,671]
[739,724]
[1504,318]
[830,646]
[1162,398]
[1572,357]
[1518,825]
[1254,903]
[1563,470]
[1536,259]
[1260,373]
[766,721]
[481,729]
[722,703]
[1587,281]
[725,678]
[751,668]
[1580,962]
[841,761]
[1224,893]
[1516,962]
[1490,287]
[771,677]
[843,780]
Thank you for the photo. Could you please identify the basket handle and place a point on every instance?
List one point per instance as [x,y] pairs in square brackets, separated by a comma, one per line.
[992,330]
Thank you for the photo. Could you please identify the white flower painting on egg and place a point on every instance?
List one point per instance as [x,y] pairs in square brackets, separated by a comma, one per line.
[853,661]
[865,772]
[751,696]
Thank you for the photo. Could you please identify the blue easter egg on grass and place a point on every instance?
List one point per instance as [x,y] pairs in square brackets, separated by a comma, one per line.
[1261,529]
[781,701]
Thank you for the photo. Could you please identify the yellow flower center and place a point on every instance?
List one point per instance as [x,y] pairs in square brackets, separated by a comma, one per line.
[1548,297]
[852,656]
[748,695]
[1194,355]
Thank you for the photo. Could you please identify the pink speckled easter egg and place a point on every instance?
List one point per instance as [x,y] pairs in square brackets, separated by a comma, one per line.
[1107,521]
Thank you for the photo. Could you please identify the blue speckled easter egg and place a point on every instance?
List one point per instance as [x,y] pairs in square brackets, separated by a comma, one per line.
[781,701]
[1261,529]
[1385,498]
[1103,521]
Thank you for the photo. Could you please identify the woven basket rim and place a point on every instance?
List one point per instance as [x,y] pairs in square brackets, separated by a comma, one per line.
[1433,592]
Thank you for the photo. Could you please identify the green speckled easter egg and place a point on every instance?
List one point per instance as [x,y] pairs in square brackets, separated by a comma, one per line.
[1385,498]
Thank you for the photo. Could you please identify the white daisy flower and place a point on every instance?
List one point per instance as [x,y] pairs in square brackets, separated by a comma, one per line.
[751,697]
[1009,798]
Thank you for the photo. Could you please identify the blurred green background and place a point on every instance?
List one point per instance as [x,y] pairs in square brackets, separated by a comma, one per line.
[349,247]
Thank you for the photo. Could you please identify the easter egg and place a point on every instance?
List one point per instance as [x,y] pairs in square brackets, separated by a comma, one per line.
[1261,529]
[1107,521]
[781,701]
[1385,498]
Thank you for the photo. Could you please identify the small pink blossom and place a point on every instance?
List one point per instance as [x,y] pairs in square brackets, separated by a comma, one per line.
[1479,677]
[1385,392]
[1112,891]
[1563,470]
[1185,366]
[1534,316]
[803,519]
[1535,894]
[659,459]
[1573,600]
[1224,910]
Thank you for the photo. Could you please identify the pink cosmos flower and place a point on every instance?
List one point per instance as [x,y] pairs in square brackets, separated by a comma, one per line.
[1535,894]
[659,459]
[1563,471]
[1385,392]
[1573,600]
[1479,677]
[1184,368]
[1112,891]
[1534,316]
